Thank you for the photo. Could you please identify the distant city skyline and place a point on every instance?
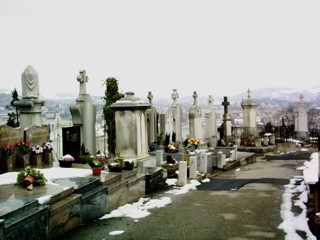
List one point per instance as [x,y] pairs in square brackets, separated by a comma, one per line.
[217,48]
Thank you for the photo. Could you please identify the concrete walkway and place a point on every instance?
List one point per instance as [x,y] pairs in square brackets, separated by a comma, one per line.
[251,212]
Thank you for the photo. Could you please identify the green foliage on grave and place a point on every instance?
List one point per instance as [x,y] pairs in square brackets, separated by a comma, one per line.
[13,114]
[29,171]
[112,95]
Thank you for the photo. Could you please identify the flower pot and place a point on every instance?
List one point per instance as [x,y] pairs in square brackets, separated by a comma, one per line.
[28,180]
[128,166]
[96,171]
[115,168]
[65,164]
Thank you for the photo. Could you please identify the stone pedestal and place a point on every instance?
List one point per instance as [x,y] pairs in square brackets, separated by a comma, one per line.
[30,112]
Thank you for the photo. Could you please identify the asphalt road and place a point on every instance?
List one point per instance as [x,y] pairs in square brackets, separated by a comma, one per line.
[250,212]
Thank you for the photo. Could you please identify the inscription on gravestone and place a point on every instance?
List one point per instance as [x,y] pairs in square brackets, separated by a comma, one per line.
[71,141]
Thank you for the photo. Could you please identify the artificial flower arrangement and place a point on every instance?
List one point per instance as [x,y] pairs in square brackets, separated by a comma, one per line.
[37,150]
[23,147]
[48,146]
[67,158]
[193,142]
[7,151]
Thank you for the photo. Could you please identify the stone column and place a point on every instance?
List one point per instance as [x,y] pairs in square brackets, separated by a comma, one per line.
[182,180]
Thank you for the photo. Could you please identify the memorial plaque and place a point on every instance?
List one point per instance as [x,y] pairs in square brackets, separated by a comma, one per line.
[71,139]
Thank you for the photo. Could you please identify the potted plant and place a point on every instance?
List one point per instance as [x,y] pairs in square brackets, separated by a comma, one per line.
[47,153]
[128,165]
[30,176]
[66,161]
[116,163]
[6,159]
[23,150]
[97,163]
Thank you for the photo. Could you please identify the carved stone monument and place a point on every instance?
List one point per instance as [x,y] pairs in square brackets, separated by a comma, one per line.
[227,135]
[84,115]
[195,113]
[249,107]
[30,106]
[152,120]
[210,133]
[177,115]
[131,127]
[301,119]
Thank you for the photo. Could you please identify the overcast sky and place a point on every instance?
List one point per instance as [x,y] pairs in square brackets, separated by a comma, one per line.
[212,47]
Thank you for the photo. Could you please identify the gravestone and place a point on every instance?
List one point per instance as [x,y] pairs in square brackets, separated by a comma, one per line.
[249,107]
[131,127]
[195,114]
[71,141]
[301,119]
[152,120]
[166,121]
[84,115]
[177,115]
[30,106]
[227,134]
[210,133]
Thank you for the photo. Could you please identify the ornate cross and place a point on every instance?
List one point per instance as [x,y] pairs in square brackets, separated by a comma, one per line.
[249,93]
[195,98]
[150,97]
[225,103]
[82,79]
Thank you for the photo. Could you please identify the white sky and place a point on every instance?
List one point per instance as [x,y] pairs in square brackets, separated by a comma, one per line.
[212,47]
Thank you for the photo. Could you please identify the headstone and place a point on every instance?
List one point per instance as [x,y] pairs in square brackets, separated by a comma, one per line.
[221,161]
[265,140]
[249,107]
[227,134]
[301,119]
[30,106]
[182,178]
[71,137]
[152,120]
[195,114]
[210,133]
[84,115]
[203,163]
[131,127]
[257,141]
[193,167]
[177,115]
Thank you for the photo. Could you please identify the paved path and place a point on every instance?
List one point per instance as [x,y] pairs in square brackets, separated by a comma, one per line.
[251,212]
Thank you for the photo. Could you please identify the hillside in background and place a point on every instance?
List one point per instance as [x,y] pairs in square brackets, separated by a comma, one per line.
[266,97]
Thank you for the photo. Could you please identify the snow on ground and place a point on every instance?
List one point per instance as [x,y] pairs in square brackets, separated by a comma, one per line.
[139,209]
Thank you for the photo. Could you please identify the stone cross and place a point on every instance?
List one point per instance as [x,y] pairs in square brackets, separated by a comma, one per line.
[195,98]
[150,97]
[225,103]
[83,79]
[174,96]
[249,93]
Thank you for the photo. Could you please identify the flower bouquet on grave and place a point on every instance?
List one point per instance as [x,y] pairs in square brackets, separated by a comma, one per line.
[7,151]
[116,163]
[23,148]
[6,160]
[97,163]
[48,147]
[37,150]
[66,161]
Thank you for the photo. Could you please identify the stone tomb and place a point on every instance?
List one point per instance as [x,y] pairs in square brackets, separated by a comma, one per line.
[68,203]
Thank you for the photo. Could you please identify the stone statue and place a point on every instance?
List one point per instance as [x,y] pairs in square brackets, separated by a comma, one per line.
[195,98]
[30,83]
[150,97]
[175,96]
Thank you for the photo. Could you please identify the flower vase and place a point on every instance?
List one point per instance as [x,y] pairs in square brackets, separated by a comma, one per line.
[96,171]
[48,158]
[36,160]
[65,164]
[22,161]
[10,163]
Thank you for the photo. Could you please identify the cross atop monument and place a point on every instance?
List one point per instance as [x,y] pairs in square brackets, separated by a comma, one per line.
[195,98]
[249,93]
[83,79]
[225,103]
[150,97]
